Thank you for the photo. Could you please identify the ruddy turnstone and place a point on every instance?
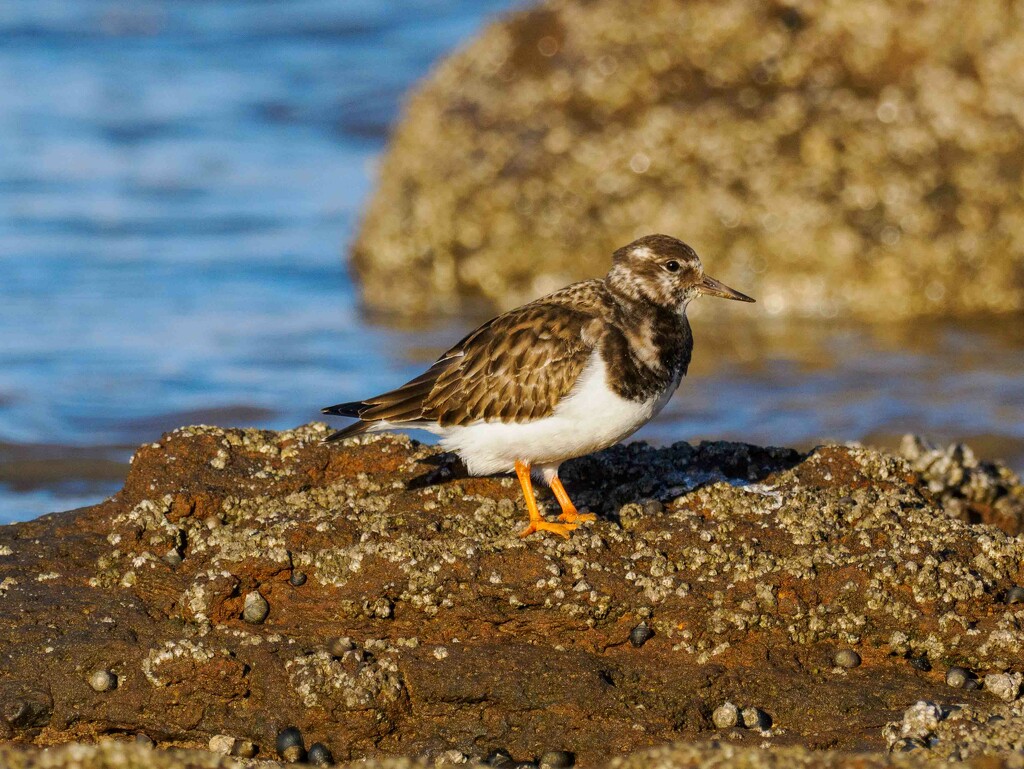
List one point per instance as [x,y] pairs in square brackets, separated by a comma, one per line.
[566,375]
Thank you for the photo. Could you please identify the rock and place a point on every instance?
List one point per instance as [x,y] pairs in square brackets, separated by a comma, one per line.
[319,755]
[921,720]
[908,745]
[244,749]
[222,743]
[1005,686]
[640,635]
[825,158]
[846,658]
[557,759]
[969,488]
[755,718]
[726,716]
[1014,595]
[730,575]
[290,745]
[338,647]
[956,677]
[173,557]
[920,662]
[102,680]
[118,755]
[255,609]
[499,758]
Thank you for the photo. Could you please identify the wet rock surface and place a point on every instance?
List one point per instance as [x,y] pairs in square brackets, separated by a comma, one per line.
[426,627]
[826,158]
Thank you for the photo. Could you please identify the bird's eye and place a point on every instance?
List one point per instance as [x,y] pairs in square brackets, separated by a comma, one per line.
[672,266]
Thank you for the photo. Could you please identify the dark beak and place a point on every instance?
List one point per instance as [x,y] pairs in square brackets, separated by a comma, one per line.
[712,287]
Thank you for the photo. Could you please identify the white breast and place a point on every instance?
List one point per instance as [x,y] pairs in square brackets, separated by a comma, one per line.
[590,418]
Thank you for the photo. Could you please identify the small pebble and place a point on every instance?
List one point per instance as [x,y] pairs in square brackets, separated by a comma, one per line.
[173,557]
[319,755]
[640,635]
[907,744]
[222,744]
[212,522]
[15,710]
[244,749]
[298,578]
[256,608]
[847,658]
[726,716]
[524,765]
[338,646]
[920,663]
[1005,686]
[293,755]
[1014,595]
[972,684]
[144,739]
[557,759]
[957,677]
[755,718]
[499,757]
[290,746]
[102,680]
[653,507]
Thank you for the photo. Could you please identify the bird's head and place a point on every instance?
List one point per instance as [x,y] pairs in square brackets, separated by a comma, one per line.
[664,271]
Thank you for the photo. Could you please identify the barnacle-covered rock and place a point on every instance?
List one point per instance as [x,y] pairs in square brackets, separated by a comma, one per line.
[859,157]
[427,627]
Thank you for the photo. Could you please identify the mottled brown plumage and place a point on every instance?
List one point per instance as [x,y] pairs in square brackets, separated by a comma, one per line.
[565,375]
[519,365]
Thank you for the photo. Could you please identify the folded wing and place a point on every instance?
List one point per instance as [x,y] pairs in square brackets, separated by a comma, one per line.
[516,368]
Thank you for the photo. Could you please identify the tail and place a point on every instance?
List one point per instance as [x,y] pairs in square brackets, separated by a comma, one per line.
[347,410]
[350,409]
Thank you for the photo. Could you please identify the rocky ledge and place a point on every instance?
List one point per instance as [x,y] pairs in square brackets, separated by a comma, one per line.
[761,606]
[826,158]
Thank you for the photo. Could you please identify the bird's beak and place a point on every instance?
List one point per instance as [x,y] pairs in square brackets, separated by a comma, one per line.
[712,287]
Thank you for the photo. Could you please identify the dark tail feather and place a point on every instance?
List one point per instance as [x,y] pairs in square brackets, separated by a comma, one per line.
[355,429]
[346,409]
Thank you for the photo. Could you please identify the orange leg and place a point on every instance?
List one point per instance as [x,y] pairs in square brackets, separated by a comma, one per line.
[569,512]
[537,523]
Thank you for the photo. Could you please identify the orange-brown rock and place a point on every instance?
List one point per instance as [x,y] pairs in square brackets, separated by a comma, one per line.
[752,566]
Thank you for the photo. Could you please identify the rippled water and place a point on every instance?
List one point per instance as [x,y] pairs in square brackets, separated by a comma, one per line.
[178,181]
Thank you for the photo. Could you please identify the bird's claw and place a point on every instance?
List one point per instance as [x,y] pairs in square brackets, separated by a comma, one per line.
[561,529]
[574,516]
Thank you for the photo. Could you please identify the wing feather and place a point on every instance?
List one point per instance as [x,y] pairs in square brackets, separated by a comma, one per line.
[515,367]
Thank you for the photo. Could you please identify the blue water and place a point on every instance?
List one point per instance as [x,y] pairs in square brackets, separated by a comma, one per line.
[178,181]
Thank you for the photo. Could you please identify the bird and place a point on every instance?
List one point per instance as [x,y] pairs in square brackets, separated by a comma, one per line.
[563,376]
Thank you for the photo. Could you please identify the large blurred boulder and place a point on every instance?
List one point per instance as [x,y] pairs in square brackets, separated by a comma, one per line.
[860,157]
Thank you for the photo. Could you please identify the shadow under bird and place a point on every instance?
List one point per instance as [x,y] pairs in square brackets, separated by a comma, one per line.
[571,373]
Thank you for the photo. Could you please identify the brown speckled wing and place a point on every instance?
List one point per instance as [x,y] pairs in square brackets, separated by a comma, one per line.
[514,368]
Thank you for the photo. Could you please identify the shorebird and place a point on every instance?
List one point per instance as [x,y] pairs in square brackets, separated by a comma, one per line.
[571,373]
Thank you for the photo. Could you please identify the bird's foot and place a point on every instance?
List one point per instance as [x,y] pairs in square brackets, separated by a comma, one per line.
[561,529]
[572,515]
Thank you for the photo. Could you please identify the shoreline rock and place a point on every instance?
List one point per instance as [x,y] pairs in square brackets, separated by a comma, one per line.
[829,159]
[425,625]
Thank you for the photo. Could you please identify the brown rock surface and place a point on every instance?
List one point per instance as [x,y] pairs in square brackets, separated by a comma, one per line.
[753,567]
[860,157]
[119,755]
